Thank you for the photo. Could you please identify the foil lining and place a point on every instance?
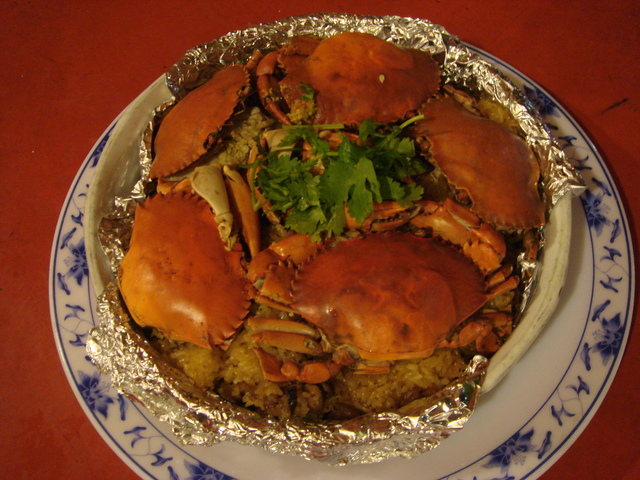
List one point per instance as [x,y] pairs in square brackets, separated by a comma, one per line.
[202,418]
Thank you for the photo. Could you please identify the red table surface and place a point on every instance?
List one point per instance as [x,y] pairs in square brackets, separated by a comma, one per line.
[69,68]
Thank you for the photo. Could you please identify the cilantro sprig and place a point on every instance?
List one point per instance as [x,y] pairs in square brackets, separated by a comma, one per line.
[377,166]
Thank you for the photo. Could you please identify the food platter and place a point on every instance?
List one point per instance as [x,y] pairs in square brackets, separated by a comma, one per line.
[553,407]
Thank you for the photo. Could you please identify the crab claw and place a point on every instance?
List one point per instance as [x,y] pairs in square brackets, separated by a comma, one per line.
[276,370]
[208,182]
[268,87]
[242,206]
[456,224]
[229,196]
[317,372]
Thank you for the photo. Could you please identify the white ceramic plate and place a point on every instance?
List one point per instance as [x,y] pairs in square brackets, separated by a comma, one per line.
[518,429]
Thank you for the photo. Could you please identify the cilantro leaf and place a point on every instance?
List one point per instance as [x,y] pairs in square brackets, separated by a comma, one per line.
[360,172]
[366,190]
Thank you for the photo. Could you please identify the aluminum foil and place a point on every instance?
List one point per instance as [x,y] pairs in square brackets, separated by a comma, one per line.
[202,418]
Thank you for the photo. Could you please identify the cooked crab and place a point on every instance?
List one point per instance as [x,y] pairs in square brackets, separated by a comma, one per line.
[191,128]
[491,168]
[374,298]
[346,78]
[179,277]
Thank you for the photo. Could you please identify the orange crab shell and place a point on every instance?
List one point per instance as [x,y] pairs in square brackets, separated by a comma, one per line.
[177,275]
[495,167]
[390,296]
[357,76]
[188,130]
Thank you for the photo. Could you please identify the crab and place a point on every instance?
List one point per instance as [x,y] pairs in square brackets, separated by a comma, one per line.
[192,127]
[178,275]
[184,273]
[409,279]
[490,167]
[346,78]
[368,301]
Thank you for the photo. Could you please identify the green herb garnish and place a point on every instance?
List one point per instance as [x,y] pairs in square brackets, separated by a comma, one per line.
[308,94]
[375,167]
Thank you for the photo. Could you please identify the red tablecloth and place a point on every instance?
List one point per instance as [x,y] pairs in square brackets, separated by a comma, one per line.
[69,68]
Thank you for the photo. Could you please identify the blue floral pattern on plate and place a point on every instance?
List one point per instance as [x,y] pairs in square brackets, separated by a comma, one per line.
[528,451]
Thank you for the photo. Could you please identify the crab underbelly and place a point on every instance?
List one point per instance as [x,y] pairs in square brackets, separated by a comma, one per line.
[390,296]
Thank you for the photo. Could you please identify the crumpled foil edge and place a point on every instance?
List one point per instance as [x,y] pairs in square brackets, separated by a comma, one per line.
[198,417]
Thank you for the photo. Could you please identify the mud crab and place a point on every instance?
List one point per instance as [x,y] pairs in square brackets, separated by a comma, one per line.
[186,134]
[346,78]
[179,277]
[372,299]
[490,167]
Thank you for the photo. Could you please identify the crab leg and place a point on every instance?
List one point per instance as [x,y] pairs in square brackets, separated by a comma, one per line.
[287,334]
[289,341]
[240,198]
[253,62]
[296,337]
[510,283]
[473,331]
[386,215]
[499,276]
[372,368]
[261,324]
